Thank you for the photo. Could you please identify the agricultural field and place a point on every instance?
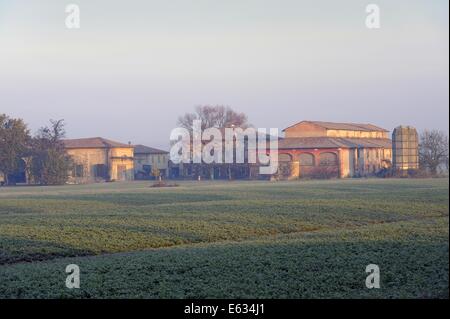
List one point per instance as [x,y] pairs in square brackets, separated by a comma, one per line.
[303,239]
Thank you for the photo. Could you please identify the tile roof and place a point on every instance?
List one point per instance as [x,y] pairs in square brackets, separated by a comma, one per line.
[344,126]
[237,133]
[332,142]
[142,149]
[92,142]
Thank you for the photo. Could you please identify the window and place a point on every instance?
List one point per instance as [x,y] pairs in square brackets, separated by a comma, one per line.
[79,171]
[100,170]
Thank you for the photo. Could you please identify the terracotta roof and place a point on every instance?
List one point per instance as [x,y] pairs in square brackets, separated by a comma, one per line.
[142,149]
[332,142]
[344,126]
[92,142]
[253,130]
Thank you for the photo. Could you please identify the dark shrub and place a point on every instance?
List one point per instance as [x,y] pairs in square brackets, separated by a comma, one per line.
[324,172]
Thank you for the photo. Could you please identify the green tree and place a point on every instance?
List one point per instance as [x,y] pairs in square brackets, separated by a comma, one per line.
[50,162]
[14,142]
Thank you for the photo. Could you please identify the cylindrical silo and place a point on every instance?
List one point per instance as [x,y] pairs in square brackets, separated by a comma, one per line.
[405,148]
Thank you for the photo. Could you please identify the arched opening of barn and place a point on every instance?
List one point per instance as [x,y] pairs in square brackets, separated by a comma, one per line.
[328,166]
[307,163]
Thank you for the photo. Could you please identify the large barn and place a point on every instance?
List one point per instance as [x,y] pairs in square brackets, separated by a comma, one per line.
[327,149]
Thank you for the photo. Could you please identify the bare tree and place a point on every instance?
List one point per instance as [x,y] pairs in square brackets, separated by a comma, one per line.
[433,150]
[53,134]
[218,116]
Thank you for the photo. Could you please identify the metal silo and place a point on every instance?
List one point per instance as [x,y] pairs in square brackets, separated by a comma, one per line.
[405,148]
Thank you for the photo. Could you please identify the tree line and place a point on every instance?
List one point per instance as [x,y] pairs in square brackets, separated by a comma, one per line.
[42,155]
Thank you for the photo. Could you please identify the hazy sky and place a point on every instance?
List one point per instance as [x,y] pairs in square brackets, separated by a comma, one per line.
[134,66]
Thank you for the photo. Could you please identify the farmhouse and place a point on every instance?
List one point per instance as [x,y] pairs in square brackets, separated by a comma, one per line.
[326,149]
[148,159]
[99,159]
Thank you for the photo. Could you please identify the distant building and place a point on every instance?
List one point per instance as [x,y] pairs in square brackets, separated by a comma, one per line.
[220,169]
[147,159]
[314,149]
[99,159]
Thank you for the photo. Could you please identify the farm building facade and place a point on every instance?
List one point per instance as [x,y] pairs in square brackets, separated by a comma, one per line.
[100,159]
[327,149]
[149,160]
